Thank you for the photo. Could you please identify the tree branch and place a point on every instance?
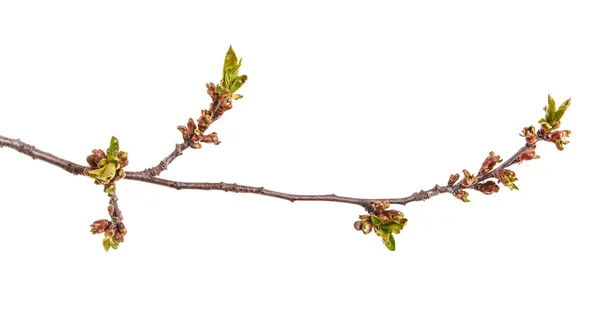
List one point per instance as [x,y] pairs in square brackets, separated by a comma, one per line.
[162,166]
[148,177]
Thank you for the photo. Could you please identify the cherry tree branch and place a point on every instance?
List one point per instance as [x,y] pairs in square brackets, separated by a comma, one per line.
[149,176]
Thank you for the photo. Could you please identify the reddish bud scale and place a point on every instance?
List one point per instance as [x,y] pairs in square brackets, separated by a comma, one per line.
[462,195]
[489,163]
[507,178]
[488,187]
[529,154]
[453,179]
[211,138]
[99,226]
[468,180]
[366,227]
[99,155]
[185,133]
[111,229]
[559,138]
[530,135]
[191,125]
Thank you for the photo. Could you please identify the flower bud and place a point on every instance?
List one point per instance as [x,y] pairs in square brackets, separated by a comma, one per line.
[488,187]
[507,178]
[367,227]
[469,179]
[452,179]
[462,195]
[99,226]
[489,163]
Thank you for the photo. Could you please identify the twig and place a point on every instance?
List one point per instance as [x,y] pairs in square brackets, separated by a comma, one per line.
[162,166]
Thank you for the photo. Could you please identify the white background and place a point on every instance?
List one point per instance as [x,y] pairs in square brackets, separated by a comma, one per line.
[369,99]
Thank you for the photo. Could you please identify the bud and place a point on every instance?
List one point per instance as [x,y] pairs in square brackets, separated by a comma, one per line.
[452,179]
[381,205]
[90,160]
[358,225]
[367,227]
[469,179]
[99,226]
[191,125]
[507,178]
[559,138]
[98,155]
[393,214]
[529,134]
[489,163]
[211,138]
[462,195]
[122,228]
[488,187]
[123,158]
[184,131]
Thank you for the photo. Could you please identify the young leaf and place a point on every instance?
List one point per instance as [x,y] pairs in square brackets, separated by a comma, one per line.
[391,243]
[375,220]
[385,235]
[113,149]
[106,243]
[393,226]
[220,89]
[550,110]
[561,110]
[237,83]
[104,174]
[230,67]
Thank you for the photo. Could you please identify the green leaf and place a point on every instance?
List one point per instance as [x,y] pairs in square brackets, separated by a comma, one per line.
[104,174]
[109,242]
[392,226]
[391,243]
[220,89]
[385,235]
[561,110]
[237,83]
[113,149]
[375,220]
[106,243]
[550,110]
[230,67]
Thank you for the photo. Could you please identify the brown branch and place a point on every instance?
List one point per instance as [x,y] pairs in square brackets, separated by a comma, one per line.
[116,213]
[35,153]
[162,166]
[145,176]
[179,148]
